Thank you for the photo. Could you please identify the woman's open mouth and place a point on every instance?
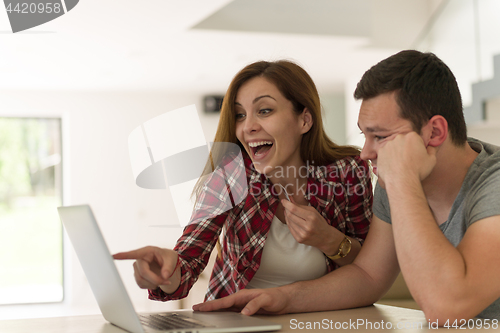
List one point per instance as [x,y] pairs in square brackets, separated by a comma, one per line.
[260,149]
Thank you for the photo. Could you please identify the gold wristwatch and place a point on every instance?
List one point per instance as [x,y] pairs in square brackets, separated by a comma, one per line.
[344,249]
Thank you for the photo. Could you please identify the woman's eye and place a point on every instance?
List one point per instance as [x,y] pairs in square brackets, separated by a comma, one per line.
[240,116]
[265,111]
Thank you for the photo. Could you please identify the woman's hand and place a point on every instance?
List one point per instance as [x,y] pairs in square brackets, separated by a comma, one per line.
[308,226]
[154,267]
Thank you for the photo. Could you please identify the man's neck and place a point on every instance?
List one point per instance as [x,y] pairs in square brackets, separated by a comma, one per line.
[443,185]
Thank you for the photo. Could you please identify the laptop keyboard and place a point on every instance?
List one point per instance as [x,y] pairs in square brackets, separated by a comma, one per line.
[169,321]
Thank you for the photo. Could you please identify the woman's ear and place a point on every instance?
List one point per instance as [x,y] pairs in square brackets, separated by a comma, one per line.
[436,131]
[306,120]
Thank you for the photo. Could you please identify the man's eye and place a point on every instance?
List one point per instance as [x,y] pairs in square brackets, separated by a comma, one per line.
[378,138]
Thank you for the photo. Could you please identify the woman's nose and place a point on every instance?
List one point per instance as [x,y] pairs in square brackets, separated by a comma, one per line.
[251,124]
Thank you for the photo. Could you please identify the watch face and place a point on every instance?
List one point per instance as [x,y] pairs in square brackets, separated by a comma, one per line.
[346,247]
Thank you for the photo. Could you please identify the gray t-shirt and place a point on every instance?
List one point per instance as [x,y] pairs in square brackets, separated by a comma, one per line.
[478,198]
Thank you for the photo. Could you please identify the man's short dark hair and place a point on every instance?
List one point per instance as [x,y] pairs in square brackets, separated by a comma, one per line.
[424,87]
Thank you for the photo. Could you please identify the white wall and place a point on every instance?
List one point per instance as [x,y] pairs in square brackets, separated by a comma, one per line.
[465,37]
[333,113]
[96,170]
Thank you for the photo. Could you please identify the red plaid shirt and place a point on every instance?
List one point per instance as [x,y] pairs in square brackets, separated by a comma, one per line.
[341,192]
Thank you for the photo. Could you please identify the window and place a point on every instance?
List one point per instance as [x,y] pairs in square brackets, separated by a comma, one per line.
[31,255]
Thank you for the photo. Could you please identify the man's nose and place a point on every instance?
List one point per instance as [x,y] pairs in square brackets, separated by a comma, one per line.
[368,152]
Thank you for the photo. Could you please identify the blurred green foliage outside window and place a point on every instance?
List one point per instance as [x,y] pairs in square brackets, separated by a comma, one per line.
[31,255]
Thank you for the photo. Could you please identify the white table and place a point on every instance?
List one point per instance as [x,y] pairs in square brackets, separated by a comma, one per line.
[367,319]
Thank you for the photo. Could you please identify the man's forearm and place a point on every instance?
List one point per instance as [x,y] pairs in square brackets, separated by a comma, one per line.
[346,287]
[433,269]
[359,284]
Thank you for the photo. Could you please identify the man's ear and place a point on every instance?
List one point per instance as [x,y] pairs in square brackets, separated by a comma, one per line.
[306,120]
[436,131]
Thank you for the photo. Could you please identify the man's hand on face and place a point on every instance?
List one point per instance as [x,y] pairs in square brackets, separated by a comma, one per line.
[405,156]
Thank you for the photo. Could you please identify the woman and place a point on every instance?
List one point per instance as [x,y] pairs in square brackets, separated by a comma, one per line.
[272,111]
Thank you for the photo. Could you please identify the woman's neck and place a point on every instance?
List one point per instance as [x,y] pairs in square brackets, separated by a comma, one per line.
[292,178]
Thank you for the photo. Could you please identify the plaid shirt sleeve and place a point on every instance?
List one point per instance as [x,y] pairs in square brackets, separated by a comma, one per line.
[359,197]
[200,235]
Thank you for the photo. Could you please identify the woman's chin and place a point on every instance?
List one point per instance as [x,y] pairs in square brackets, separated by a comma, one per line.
[263,168]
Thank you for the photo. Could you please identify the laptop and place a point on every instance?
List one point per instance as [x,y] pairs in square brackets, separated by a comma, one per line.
[114,301]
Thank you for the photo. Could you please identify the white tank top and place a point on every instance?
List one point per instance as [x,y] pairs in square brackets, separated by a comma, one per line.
[285,261]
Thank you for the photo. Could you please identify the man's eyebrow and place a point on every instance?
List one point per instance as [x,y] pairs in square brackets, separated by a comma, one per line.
[374,129]
[256,99]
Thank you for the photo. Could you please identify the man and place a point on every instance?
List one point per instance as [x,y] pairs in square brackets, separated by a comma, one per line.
[443,225]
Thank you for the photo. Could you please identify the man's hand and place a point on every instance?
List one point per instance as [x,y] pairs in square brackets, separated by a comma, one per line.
[249,302]
[405,156]
[153,267]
